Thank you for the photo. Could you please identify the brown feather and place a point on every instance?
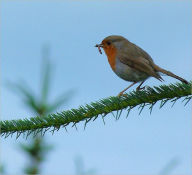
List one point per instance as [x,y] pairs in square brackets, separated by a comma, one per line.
[159,69]
[141,64]
[142,61]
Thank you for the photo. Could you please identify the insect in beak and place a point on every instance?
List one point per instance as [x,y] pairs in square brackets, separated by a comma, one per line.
[99,47]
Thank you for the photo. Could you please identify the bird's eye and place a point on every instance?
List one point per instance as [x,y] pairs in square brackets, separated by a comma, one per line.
[108,43]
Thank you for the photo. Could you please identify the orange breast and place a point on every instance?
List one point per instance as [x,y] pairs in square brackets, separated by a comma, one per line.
[111,55]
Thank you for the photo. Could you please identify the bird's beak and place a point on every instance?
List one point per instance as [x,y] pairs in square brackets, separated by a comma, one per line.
[99,45]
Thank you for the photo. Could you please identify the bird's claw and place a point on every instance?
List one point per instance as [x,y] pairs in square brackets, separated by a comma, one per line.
[121,94]
[139,88]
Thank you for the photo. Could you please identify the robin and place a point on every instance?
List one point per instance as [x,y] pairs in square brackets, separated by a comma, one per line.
[130,62]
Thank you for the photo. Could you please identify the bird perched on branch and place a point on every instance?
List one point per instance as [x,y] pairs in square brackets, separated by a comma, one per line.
[130,62]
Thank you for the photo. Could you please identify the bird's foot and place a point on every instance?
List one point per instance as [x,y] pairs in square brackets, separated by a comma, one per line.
[121,94]
[140,88]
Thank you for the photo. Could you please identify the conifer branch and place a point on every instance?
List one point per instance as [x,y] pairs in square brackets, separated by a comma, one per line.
[149,97]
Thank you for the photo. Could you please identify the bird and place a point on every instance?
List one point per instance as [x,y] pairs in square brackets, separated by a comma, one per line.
[131,63]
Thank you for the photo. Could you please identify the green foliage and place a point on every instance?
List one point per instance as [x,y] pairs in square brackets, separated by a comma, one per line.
[2,169]
[80,167]
[170,166]
[149,97]
[37,149]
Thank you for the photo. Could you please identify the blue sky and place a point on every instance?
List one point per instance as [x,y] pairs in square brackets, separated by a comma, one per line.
[140,144]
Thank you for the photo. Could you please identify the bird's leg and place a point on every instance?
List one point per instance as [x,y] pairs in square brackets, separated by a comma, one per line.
[121,93]
[139,87]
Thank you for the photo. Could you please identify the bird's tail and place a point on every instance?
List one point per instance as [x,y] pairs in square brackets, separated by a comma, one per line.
[159,69]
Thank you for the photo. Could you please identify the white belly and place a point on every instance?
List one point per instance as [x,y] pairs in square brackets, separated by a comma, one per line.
[129,74]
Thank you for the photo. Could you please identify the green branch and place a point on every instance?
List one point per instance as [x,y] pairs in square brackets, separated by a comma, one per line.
[86,113]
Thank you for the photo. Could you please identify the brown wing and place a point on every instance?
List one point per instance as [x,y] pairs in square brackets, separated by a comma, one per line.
[141,64]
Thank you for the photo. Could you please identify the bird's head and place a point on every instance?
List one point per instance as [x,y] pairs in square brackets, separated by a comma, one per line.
[111,43]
